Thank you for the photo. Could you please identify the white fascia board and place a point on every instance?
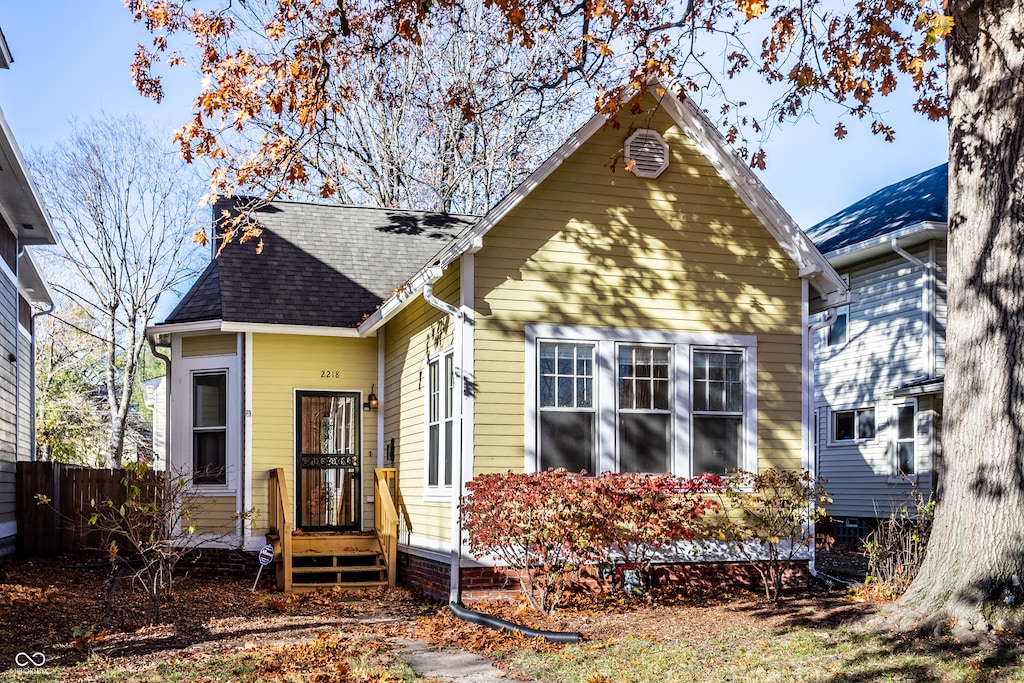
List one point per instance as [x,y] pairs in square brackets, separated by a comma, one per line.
[161,332]
[876,246]
[31,283]
[20,199]
[305,330]
[751,190]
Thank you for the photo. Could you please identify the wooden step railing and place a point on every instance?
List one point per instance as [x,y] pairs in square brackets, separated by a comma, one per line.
[385,517]
[281,524]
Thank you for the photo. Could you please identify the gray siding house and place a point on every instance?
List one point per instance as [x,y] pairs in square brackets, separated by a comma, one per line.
[23,222]
[879,366]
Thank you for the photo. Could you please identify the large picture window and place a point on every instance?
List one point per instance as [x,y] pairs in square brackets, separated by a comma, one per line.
[209,428]
[440,419]
[640,400]
[566,402]
[717,411]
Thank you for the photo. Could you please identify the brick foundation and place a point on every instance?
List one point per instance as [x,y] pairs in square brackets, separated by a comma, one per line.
[230,561]
[431,577]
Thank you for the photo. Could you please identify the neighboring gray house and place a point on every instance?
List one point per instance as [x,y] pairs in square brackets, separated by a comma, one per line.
[879,367]
[23,222]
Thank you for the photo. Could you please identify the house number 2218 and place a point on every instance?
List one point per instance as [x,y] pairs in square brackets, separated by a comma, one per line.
[330,373]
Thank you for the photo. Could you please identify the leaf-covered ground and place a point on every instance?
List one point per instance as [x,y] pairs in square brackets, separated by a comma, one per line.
[217,628]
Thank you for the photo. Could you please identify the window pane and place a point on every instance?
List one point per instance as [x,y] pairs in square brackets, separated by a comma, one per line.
[584,397]
[844,425]
[433,454]
[547,391]
[905,457]
[449,385]
[644,443]
[547,359]
[209,462]
[566,359]
[661,395]
[567,440]
[448,452]
[566,392]
[434,409]
[906,422]
[210,400]
[837,332]
[716,444]
[866,424]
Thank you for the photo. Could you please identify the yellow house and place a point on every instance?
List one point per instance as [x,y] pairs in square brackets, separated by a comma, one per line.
[640,303]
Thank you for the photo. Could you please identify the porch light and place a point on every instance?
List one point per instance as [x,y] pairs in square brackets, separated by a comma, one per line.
[372,402]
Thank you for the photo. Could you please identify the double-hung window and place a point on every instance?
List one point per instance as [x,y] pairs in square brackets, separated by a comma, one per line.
[568,415]
[440,419]
[644,415]
[209,428]
[905,438]
[717,410]
[857,424]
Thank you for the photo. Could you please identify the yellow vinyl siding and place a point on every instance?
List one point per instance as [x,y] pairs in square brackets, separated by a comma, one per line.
[209,345]
[415,334]
[215,517]
[282,364]
[600,248]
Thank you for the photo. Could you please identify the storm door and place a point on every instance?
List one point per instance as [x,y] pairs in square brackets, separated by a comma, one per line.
[328,450]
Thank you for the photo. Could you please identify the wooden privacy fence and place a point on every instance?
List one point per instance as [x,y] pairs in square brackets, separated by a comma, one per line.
[63,523]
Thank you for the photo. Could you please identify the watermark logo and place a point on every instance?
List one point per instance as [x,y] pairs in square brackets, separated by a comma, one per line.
[24,659]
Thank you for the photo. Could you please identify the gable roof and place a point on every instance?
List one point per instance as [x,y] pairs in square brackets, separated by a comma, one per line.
[894,210]
[345,259]
[829,289]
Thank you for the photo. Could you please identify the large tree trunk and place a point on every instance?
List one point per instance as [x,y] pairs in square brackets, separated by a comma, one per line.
[974,568]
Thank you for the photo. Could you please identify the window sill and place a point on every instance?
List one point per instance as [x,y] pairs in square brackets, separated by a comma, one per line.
[437,494]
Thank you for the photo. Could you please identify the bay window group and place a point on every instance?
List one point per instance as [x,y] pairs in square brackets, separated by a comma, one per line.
[640,401]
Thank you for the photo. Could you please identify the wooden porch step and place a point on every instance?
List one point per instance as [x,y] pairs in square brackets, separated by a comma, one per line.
[351,569]
[305,587]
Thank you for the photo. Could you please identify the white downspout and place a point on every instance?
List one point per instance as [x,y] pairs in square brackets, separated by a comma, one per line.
[454,585]
[811,452]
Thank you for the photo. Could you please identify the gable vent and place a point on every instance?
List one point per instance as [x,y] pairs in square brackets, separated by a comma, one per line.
[646,153]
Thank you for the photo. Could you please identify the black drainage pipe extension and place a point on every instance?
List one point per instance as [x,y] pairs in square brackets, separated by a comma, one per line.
[487,620]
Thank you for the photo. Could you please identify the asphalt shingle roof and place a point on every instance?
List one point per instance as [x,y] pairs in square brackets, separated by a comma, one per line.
[320,266]
[909,202]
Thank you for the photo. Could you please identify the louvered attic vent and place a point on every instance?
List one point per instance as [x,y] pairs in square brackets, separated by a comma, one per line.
[646,153]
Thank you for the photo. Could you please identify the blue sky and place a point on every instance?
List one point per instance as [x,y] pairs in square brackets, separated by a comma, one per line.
[72,58]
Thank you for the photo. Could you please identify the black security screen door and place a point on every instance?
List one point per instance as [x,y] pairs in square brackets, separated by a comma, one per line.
[328,481]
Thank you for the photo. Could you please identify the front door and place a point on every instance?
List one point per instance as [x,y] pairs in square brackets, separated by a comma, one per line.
[328,452]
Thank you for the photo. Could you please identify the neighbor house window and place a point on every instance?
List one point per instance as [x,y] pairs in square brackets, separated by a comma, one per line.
[838,332]
[440,419]
[644,415]
[566,402]
[905,445]
[209,428]
[640,400]
[853,425]
[717,411]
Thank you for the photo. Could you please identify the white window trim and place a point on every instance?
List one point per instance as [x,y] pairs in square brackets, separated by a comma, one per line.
[830,435]
[440,493]
[607,341]
[184,369]
[894,475]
